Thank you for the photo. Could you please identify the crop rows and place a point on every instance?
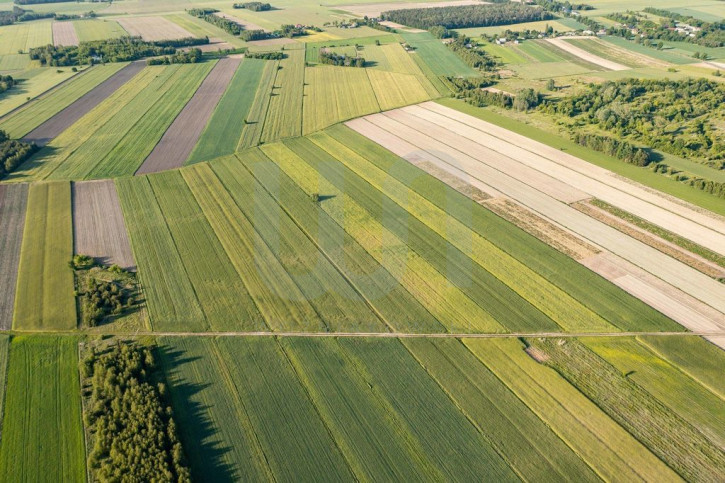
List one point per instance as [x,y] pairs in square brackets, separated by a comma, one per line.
[284,114]
[224,129]
[89,30]
[23,36]
[393,89]
[252,130]
[13,204]
[441,60]
[44,298]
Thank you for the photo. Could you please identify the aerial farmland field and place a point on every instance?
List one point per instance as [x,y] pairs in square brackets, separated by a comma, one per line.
[399,241]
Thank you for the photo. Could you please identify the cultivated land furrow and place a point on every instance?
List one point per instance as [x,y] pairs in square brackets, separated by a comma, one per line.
[13,202]
[180,138]
[98,226]
[674,272]
[511,140]
[64,34]
[51,128]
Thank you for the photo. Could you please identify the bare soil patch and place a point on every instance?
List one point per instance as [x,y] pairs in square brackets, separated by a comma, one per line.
[587,56]
[13,202]
[180,138]
[99,230]
[541,228]
[375,9]
[45,133]
[64,33]
[153,28]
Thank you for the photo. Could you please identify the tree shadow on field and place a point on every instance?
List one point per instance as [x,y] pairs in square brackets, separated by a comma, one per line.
[204,453]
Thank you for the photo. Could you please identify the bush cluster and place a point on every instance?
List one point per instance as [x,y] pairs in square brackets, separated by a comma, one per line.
[332,58]
[254,6]
[473,55]
[6,82]
[207,14]
[134,434]
[13,153]
[623,150]
[102,299]
[277,55]
[467,16]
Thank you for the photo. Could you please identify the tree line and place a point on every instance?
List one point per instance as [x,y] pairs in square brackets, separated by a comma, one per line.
[110,50]
[276,55]
[254,6]
[623,150]
[133,432]
[467,16]
[207,14]
[13,153]
[191,56]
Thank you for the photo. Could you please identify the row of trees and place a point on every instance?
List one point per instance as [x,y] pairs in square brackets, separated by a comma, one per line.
[623,150]
[277,55]
[331,58]
[109,50]
[472,54]
[473,91]
[133,433]
[17,14]
[192,56]
[207,14]
[467,16]
[254,6]
[13,153]
[675,116]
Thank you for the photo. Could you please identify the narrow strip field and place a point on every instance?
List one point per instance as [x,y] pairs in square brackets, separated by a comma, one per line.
[44,299]
[64,118]
[252,131]
[284,114]
[587,56]
[42,426]
[180,138]
[153,28]
[98,226]
[13,202]
[224,129]
[64,34]
[26,118]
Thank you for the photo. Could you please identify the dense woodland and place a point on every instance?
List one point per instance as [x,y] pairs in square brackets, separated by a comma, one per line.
[254,6]
[331,58]
[654,32]
[13,153]
[675,116]
[467,16]
[134,435]
[110,50]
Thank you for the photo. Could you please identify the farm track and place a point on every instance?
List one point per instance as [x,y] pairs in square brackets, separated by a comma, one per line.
[425,142]
[13,202]
[587,56]
[180,138]
[64,34]
[98,226]
[51,128]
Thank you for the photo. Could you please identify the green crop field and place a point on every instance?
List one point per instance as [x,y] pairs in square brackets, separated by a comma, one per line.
[312,49]
[224,129]
[44,298]
[252,131]
[42,436]
[539,52]
[666,55]
[32,114]
[440,60]
[18,38]
[284,114]
[32,83]
[88,30]
[601,50]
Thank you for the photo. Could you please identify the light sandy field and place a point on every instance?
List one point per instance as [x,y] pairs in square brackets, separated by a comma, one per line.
[245,23]
[426,145]
[64,33]
[375,9]
[181,137]
[587,56]
[99,230]
[153,28]
[393,25]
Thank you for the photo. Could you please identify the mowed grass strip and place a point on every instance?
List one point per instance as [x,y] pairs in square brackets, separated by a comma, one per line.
[130,152]
[400,310]
[437,56]
[375,443]
[334,94]
[170,297]
[213,424]
[276,295]
[221,293]
[338,304]
[42,429]
[665,382]
[51,156]
[284,114]
[567,312]
[607,447]
[294,438]
[532,449]
[674,440]
[30,116]
[252,130]
[44,298]
[453,445]
[224,129]
[497,300]
[453,309]
[597,294]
